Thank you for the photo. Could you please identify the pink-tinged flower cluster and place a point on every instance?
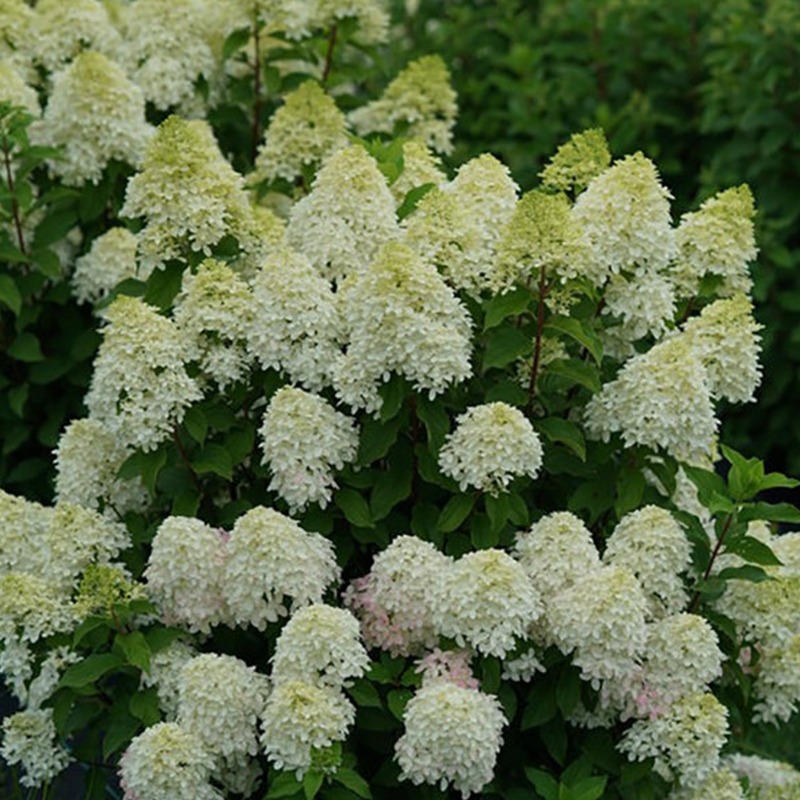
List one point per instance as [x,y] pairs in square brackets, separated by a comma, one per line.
[451,666]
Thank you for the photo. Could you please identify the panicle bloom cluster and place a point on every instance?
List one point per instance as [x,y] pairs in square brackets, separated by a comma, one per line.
[214,313]
[304,131]
[96,115]
[769,780]
[725,338]
[301,719]
[165,674]
[556,552]
[721,784]
[542,235]
[102,586]
[14,89]
[400,317]
[270,558]
[349,214]
[63,30]
[18,31]
[718,240]
[452,736]
[321,645]
[304,440]
[420,99]
[653,546]
[626,215]
[601,617]
[645,303]
[185,571]
[164,762]
[660,398]
[577,162]
[301,18]
[685,740]
[491,445]
[24,523]
[111,260]
[189,195]
[139,388]
[30,740]
[88,458]
[296,323]
[394,601]
[420,167]
[486,602]
[32,608]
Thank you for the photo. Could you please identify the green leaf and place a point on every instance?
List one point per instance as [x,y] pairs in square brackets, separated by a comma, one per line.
[745,475]
[390,488]
[48,262]
[9,294]
[544,783]
[354,507]
[772,512]
[26,347]
[144,706]
[196,424]
[630,489]
[164,284]
[498,508]
[775,480]
[490,674]
[506,305]
[753,550]
[284,784]
[504,346]
[580,332]
[88,625]
[481,533]
[377,439]
[747,572]
[455,512]
[160,638]
[17,397]
[365,694]
[563,431]
[588,788]
[576,371]
[122,729]
[554,737]
[435,419]
[136,650]
[144,465]
[90,669]
[397,700]
[351,780]
[541,705]
[312,783]
[568,690]
[412,199]
[708,483]
[214,459]
[235,41]
[393,392]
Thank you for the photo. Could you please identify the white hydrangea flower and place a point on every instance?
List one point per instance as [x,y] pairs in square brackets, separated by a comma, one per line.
[721,784]
[31,608]
[420,166]
[306,130]
[165,673]
[96,115]
[685,741]
[577,162]
[769,780]
[718,240]
[725,338]
[601,617]
[523,668]
[13,88]
[23,522]
[394,602]
[45,683]
[348,216]
[18,32]
[88,458]
[401,317]
[626,215]
[111,260]
[556,552]
[304,440]
[487,602]
[265,238]
[777,687]
[452,736]
[321,645]
[16,666]
[189,195]
[270,558]
[296,326]
[421,99]
[165,762]
[140,389]
[645,303]
[490,446]
[300,718]
[30,740]
[660,398]
[301,18]
[214,313]
[185,572]
[452,666]
[653,546]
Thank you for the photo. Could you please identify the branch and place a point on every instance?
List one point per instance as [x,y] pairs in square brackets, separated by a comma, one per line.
[538,344]
[329,54]
[14,204]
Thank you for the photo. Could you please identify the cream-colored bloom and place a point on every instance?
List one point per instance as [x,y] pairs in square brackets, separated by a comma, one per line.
[577,162]
[111,260]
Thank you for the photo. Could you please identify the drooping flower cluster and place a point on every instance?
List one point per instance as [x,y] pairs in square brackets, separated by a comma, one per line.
[30,741]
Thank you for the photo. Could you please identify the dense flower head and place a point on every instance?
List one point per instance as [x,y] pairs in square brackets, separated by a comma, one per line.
[30,741]
[96,115]
[304,440]
[214,313]
[601,617]
[777,686]
[626,215]
[725,338]
[296,323]
[320,644]
[556,552]
[542,234]
[14,89]
[18,31]
[164,762]
[102,586]
[721,784]
[769,780]
[420,167]
[645,304]
[111,260]
[394,602]
[24,524]
[660,398]
[140,388]
[188,194]
[185,571]
[401,317]
[420,99]
[270,558]
[487,602]
[165,674]
[31,608]
[300,718]
[46,681]
[452,736]
[577,162]
[347,217]
[491,445]
[685,740]
[304,131]
[718,240]
[653,546]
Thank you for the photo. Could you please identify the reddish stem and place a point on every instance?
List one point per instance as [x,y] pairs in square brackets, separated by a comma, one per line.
[537,348]
[329,54]
[14,204]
